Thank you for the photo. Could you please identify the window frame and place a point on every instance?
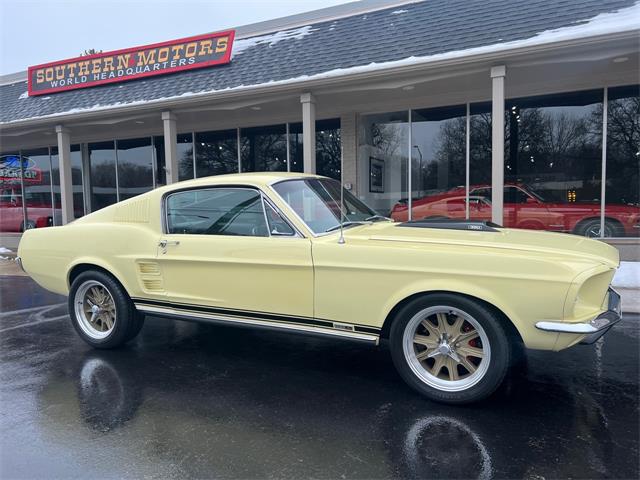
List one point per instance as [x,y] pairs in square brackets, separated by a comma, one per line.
[263,199]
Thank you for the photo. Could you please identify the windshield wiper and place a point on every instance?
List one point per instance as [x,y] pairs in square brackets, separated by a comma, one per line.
[373,218]
[344,224]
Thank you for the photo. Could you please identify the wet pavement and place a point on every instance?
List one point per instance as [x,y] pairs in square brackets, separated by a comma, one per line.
[188,400]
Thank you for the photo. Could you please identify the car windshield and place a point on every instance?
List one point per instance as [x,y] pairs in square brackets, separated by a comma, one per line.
[317,202]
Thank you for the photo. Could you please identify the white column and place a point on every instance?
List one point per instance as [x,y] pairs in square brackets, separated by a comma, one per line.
[170,146]
[309,132]
[497,143]
[66,183]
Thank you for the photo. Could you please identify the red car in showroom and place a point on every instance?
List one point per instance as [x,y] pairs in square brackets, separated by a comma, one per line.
[39,211]
[524,208]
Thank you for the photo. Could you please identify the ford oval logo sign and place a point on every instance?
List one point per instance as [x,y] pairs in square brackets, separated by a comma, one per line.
[13,167]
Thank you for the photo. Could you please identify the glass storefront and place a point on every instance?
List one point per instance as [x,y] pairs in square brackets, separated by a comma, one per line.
[216,153]
[186,157]
[76,179]
[328,148]
[264,149]
[383,156]
[552,163]
[622,193]
[438,162]
[424,158]
[135,167]
[12,212]
[102,171]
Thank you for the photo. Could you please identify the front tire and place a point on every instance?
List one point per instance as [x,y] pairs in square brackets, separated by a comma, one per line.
[101,311]
[450,348]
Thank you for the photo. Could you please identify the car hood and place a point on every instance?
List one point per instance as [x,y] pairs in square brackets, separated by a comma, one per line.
[532,241]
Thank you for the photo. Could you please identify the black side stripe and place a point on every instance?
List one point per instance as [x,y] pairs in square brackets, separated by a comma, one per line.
[252,314]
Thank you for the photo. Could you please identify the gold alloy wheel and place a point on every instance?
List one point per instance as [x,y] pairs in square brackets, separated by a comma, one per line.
[95,309]
[446,348]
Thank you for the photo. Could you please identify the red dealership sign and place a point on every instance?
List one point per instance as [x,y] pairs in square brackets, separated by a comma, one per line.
[131,63]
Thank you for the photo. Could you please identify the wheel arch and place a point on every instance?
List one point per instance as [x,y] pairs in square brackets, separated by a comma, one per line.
[504,319]
[85,265]
[617,223]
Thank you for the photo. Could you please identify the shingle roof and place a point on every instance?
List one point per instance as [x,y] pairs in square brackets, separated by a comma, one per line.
[420,29]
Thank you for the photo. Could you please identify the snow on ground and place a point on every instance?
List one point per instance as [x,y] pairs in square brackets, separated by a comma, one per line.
[627,276]
[5,250]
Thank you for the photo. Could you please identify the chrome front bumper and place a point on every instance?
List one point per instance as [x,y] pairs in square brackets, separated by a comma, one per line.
[593,329]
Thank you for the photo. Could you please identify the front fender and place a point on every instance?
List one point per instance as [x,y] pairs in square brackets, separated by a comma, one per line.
[521,306]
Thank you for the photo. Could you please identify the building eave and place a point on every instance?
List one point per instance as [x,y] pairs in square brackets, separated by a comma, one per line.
[350,76]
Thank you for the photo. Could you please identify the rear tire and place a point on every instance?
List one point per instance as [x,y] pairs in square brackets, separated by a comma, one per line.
[101,311]
[450,348]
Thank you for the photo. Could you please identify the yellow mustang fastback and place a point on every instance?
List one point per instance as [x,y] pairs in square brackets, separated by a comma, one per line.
[456,300]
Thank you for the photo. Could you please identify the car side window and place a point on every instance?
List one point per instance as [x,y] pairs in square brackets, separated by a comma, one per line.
[278,226]
[514,195]
[217,211]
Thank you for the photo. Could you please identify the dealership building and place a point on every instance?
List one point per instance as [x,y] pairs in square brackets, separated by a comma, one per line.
[523,112]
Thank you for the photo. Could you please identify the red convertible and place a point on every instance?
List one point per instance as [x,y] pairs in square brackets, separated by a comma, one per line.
[523,208]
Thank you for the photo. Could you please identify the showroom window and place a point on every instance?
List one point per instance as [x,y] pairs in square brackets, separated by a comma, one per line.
[383,157]
[622,197]
[186,157]
[328,147]
[438,162]
[264,149]
[37,191]
[216,152]
[552,162]
[76,180]
[102,162]
[11,208]
[135,167]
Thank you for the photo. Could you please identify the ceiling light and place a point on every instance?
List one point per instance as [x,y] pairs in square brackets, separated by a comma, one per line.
[620,59]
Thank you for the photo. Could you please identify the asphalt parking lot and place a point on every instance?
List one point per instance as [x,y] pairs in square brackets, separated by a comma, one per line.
[189,400]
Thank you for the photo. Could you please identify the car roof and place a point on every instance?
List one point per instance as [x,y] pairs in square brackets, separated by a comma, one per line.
[252,178]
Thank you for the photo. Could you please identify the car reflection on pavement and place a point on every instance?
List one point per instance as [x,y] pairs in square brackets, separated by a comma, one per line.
[191,400]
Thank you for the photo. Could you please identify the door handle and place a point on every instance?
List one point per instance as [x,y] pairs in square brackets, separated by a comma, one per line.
[164,243]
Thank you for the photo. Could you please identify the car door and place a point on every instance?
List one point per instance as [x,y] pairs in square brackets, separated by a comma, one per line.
[229,248]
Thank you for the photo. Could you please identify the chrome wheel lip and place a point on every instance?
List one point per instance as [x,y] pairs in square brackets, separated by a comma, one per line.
[81,315]
[427,377]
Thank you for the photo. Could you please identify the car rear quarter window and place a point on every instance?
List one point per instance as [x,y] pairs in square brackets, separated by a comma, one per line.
[216,211]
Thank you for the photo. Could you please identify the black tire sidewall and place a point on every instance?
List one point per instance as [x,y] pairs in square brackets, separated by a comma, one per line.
[125,311]
[498,340]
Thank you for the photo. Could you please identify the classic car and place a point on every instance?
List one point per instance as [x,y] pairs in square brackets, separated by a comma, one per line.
[456,301]
[39,211]
[524,208]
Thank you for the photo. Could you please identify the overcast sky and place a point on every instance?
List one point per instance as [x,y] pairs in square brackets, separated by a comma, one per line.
[39,31]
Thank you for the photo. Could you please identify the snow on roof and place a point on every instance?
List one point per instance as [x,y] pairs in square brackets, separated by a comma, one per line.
[421,33]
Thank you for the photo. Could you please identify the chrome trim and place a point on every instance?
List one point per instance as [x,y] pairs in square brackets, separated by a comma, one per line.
[267,200]
[594,328]
[218,318]
[18,260]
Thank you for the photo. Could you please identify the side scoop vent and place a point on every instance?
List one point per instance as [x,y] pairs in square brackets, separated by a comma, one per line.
[154,285]
[150,277]
[149,268]
[451,224]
